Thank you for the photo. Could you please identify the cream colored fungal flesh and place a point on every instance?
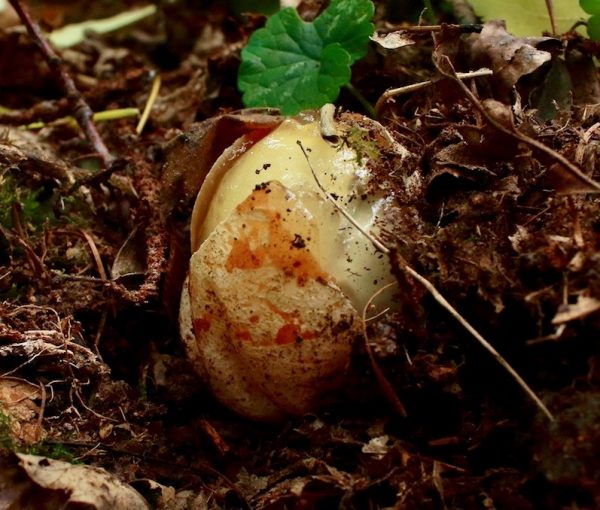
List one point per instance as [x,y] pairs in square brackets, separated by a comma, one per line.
[278,277]
[348,255]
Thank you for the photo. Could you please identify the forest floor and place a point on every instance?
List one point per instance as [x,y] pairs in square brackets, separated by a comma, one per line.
[496,205]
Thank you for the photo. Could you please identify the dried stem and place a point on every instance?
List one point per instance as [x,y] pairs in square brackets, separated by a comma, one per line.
[466,27]
[532,142]
[388,94]
[378,244]
[81,110]
[386,388]
[489,347]
[550,8]
[149,104]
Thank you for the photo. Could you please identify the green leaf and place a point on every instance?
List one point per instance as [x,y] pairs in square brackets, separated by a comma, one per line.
[593,27]
[530,17]
[590,6]
[347,23]
[556,93]
[294,65]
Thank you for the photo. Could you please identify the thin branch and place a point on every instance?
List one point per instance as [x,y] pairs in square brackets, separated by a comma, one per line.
[149,104]
[466,27]
[378,244]
[532,142]
[489,347]
[388,94]
[386,388]
[550,8]
[81,110]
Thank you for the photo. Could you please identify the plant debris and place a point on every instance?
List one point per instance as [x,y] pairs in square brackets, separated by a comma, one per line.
[488,156]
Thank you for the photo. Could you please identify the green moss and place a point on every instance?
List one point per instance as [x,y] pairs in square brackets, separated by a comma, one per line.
[6,440]
[38,206]
[35,210]
[360,140]
[56,451]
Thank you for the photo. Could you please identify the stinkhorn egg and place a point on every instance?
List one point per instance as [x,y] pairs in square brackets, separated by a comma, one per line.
[278,278]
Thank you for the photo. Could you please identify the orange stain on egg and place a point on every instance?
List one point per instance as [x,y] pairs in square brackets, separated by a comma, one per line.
[287,334]
[270,243]
[202,324]
[243,335]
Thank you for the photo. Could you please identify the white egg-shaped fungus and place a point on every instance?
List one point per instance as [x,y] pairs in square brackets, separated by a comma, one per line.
[278,278]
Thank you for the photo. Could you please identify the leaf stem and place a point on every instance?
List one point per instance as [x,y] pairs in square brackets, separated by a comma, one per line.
[362,100]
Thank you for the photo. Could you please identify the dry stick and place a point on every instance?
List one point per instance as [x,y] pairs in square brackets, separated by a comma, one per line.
[442,301]
[550,8]
[149,104]
[434,292]
[532,142]
[95,253]
[384,384]
[388,94]
[81,110]
[463,27]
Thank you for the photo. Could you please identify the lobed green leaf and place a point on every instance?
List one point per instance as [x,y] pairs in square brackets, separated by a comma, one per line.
[590,6]
[294,65]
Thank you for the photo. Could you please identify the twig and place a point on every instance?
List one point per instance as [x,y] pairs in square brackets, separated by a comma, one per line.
[433,291]
[103,116]
[550,8]
[386,388]
[149,104]
[81,111]
[489,347]
[51,110]
[40,420]
[417,86]
[532,142]
[463,27]
[95,253]
[46,111]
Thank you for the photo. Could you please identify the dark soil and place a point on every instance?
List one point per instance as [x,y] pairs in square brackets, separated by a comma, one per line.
[92,261]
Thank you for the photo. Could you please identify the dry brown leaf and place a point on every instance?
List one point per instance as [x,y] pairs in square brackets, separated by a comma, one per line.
[27,151]
[560,179]
[84,485]
[17,401]
[509,57]
[191,155]
[393,40]
[584,306]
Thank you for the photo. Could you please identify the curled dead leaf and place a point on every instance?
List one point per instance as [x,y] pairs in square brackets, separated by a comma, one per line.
[18,404]
[393,40]
[31,481]
[584,306]
[191,155]
[509,57]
